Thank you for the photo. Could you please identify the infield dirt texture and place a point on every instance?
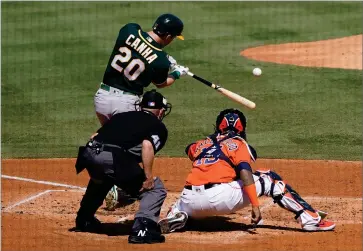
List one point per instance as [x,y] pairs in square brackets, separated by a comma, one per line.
[309,107]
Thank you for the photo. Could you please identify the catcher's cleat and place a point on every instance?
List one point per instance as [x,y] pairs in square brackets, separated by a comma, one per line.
[321,226]
[170,224]
[91,225]
[111,199]
[147,232]
[322,214]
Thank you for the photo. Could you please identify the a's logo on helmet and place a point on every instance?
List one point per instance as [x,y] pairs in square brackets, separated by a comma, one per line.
[167,20]
[151,103]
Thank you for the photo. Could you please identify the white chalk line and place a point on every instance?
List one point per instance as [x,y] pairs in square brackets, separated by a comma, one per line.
[28,199]
[130,216]
[7,209]
[42,182]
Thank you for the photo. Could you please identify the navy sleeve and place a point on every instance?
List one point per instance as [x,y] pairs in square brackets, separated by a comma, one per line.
[243,166]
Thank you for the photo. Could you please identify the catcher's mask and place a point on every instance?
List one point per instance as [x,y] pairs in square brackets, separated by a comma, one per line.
[155,100]
[231,120]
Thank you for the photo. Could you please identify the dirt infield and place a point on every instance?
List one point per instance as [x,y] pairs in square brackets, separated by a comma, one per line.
[345,53]
[40,199]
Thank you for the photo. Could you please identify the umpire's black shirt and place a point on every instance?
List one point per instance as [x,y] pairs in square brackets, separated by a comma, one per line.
[129,129]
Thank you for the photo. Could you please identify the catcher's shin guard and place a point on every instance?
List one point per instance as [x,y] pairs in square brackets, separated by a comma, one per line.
[288,198]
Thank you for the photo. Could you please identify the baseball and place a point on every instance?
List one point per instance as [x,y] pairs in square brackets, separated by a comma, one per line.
[257,72]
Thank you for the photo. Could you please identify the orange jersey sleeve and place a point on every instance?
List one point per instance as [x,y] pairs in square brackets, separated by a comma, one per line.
[190,151]
[237,151]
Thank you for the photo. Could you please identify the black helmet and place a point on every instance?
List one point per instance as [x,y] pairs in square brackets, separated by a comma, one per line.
[155,100]
[231,120]
[169,24]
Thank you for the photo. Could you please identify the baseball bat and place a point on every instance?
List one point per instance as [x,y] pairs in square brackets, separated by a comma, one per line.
[234,96]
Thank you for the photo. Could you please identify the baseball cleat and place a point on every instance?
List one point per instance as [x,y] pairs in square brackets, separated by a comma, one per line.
[173,223]
[146,232]
[91,225]
[111,199]
[321,226]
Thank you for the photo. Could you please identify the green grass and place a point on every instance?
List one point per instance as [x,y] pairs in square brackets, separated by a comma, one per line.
[54,55]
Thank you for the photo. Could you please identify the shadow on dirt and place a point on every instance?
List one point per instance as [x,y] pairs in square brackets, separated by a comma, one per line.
[223,224]
[111,229]
[211,224]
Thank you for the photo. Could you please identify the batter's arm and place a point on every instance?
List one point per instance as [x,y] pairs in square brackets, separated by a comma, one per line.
[169,81]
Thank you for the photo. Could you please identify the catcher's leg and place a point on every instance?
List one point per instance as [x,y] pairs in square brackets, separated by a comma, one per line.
[174,220]
[289,199]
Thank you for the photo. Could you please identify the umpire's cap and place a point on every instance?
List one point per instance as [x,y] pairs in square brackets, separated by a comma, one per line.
[169,24]
[154,100]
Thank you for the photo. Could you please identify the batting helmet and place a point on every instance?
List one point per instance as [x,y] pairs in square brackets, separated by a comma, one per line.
[168,24]
[231,120]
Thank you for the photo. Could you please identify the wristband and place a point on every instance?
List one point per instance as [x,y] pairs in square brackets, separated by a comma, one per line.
[251,193]
[175,74]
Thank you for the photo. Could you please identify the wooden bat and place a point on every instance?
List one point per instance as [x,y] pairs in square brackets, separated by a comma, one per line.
[234,96]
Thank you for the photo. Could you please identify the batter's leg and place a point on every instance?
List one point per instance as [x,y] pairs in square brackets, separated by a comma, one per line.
[102,118]
[103,105]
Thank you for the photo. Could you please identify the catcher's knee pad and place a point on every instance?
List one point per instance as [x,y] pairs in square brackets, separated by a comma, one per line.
[267,178]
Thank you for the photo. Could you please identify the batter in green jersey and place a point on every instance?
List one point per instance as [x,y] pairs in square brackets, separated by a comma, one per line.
[137,60]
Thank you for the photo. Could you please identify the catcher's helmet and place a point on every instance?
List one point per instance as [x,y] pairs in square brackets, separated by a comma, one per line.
[231,120]
[168,24]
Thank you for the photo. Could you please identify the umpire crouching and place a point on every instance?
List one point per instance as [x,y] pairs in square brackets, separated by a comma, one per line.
[112,157]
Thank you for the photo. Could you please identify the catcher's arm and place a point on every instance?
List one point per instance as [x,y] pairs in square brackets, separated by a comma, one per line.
[250,188]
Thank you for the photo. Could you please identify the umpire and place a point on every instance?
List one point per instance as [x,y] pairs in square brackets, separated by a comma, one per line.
[112,157]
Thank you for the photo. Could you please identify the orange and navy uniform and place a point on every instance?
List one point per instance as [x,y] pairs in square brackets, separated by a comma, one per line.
[212,167]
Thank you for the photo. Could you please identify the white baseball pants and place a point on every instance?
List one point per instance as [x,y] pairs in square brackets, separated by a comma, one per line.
[108,103]
[227,198]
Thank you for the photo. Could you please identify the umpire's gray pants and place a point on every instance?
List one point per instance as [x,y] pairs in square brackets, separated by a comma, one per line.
[151,201]
[106,168]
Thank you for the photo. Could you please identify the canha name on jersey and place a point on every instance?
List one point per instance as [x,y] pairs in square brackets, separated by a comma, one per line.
[142,48]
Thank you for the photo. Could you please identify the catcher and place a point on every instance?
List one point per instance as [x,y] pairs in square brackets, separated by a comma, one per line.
[221,181]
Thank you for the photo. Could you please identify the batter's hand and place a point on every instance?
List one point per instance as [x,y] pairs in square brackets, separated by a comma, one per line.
[181,70]
[256,215]
[148,184]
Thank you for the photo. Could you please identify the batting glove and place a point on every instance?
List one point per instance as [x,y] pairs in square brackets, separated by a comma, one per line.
[179,71]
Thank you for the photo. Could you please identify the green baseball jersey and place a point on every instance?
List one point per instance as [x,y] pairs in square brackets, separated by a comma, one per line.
[136,61]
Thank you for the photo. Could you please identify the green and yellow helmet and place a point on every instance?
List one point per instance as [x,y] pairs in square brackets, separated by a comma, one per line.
[169,24]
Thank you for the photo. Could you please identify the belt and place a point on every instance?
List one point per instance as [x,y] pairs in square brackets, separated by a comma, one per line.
[99,146]
[206,186]
[115,90]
